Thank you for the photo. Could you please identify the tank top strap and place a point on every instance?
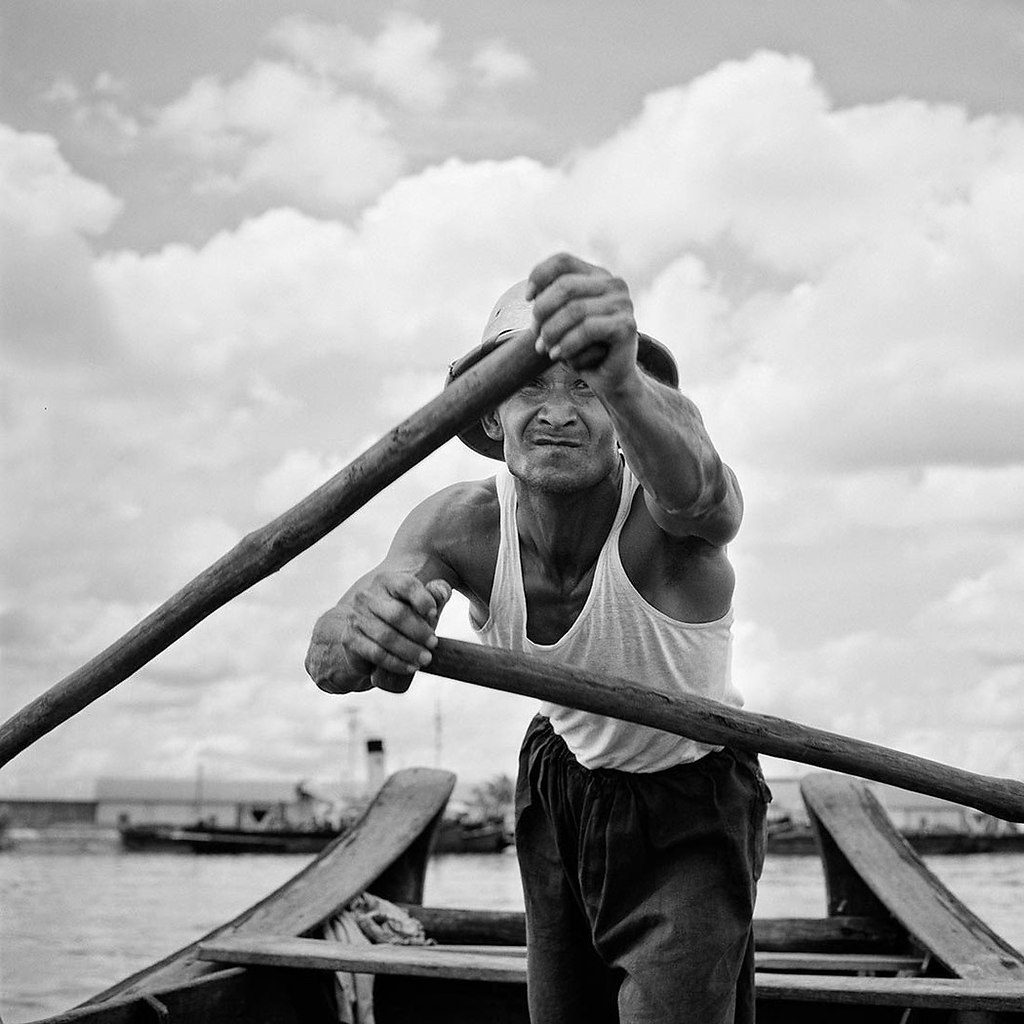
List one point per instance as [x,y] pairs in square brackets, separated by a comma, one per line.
[628,490]
[609,556]
[508,531]
[508,599]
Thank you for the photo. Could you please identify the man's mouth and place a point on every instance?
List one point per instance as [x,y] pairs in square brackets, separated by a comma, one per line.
[546,441]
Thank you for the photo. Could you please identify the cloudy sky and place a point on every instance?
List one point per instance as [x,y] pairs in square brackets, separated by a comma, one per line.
[243,240]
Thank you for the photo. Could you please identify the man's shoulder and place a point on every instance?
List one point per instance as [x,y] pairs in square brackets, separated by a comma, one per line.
[466,498]
[461,521]
[459,510]
[456,526]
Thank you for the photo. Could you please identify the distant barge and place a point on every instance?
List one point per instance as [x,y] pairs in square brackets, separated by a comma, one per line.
[786,839]
[455,835]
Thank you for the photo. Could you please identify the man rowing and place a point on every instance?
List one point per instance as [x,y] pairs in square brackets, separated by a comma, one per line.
[601,543]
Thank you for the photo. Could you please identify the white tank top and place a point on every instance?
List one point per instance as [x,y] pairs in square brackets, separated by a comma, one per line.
[618,633]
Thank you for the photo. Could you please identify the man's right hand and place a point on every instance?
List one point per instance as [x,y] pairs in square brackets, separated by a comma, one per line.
[379,634]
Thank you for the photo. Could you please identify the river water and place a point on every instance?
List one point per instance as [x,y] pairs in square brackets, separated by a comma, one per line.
[74,922]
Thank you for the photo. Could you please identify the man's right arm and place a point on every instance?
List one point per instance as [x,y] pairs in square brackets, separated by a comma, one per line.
[386,619]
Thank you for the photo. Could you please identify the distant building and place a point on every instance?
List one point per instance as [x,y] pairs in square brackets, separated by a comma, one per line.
[24,812]
[177,801]
[182,802]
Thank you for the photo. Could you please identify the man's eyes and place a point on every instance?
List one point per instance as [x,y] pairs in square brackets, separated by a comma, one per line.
[580,386]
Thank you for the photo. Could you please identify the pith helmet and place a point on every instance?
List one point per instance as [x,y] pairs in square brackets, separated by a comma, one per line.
[513,313]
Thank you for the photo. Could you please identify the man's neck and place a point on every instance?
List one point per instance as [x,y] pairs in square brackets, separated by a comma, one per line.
[567,531]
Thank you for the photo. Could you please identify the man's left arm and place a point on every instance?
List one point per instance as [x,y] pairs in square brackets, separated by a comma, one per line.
[585,317]
[689,490]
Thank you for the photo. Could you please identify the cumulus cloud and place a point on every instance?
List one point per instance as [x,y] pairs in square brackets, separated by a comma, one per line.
[885,297]
[41,194]
[52,314]
[316,122]
[755,151]
[402,61]
[98,109]
[498,64]
[278,280]
[282,132]
[414,279]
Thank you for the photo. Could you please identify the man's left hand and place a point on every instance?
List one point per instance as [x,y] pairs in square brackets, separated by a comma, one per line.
[585,318]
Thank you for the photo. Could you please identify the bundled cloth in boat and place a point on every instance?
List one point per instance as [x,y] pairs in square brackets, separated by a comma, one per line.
[366,920]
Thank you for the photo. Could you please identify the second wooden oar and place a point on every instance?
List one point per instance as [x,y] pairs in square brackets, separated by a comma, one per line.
[709,721]
[266,550]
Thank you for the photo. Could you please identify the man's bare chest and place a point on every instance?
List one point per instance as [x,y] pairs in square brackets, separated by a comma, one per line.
[553,602]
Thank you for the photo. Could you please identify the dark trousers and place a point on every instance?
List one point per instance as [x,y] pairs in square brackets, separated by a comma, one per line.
[639,888]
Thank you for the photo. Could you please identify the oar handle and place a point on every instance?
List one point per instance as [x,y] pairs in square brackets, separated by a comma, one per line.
[709,721]
[267,549]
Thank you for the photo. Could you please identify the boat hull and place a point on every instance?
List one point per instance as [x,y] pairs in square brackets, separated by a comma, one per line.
[459,837]
[213,839]
[451,837]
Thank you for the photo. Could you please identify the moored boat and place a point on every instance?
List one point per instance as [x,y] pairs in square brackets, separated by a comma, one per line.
[202,838]
[459,834]
[894,944]
[789,839]
[454,835]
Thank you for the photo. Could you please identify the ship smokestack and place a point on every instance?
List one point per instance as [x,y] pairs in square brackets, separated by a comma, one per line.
[375,771]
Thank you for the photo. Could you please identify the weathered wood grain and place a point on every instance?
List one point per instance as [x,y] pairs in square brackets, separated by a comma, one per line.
[835,934]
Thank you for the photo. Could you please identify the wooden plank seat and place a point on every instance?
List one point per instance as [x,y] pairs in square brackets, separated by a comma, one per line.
[961,994]
[497,963]
[820,963]
[502,964]
[319,954]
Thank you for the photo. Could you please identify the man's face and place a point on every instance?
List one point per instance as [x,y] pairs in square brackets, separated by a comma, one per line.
[557,435]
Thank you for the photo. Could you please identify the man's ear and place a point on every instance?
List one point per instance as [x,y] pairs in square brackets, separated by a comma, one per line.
[492,425]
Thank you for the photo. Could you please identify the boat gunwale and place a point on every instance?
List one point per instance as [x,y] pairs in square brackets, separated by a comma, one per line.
[870,868]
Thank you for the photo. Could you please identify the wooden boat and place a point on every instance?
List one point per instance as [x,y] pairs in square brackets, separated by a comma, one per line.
[468,835]
[894,945]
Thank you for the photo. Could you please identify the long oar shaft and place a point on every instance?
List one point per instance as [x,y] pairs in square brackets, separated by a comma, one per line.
[709,721]
[267,549]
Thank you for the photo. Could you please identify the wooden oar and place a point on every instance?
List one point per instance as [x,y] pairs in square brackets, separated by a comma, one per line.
[709,721]
[269,548]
